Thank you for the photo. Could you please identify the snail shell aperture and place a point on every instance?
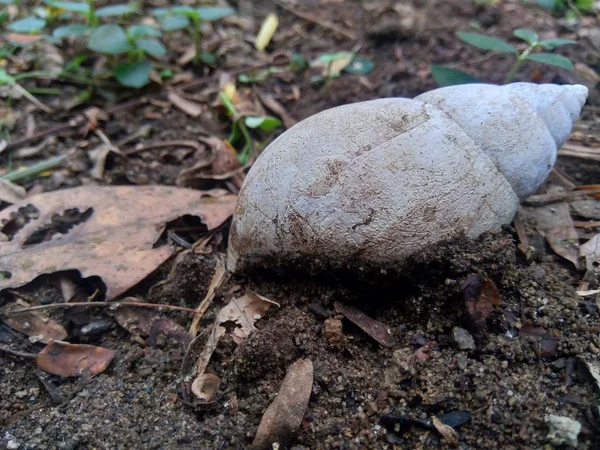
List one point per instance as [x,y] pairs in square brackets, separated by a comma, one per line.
[377,182]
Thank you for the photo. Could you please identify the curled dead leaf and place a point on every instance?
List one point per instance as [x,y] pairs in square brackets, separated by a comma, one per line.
[374,328]
[205,386]
[283,417]
[481,297]
[105,231]
[446,431]
[72,360]
[33,323]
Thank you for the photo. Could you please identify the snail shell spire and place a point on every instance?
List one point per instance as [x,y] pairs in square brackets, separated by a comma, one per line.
[520,126]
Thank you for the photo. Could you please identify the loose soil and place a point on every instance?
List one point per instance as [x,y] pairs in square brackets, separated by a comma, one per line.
[509,383]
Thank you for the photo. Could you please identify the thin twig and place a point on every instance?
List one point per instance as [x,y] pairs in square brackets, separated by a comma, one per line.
[17,353]
[192,144]
[543,199]
[315,20]
[88,304]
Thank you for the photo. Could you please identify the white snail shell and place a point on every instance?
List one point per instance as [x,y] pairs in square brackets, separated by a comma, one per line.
[376,182]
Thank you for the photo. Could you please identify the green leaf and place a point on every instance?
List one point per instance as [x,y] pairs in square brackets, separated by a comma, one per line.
[445,76]
[79,7]
[330,57]
[210,13]
[152,47]
[133,75]
[548,4]
[265,123]
[551,44]
[174,22]
[208,58]
[359,66]
[27,25]
[485,42]
[187,11]
[76,29]
[115,10]
[297,62]
[584,5]
[136,32]
[528,36]
[109,39]
[551,59]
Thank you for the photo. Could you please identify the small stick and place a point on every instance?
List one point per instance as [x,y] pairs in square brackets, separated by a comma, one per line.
[115,304]
[191,144]
[542,199]
[315,20]
[17,353]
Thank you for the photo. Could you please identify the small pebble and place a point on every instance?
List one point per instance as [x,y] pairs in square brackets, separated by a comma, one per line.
[563,430]
[462,339]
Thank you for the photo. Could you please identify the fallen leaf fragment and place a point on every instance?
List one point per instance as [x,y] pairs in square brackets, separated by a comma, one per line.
[171,330]
[283,417]
[243,311]
[72,360]
[593,368]
[548,343]
[192,109]
[554,222]
[105,231]
[137,321]
[217,280]
[11,192]
[446,431]
[481,297]
[374,328]
[266,32]
[269,101]
[591,252]
[33,323]
[205,386]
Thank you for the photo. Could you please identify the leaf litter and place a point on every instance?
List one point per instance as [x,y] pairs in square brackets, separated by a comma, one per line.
[34,324]
[108,232]
[72,360]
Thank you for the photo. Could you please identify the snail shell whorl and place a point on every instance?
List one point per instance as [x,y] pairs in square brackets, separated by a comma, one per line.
[378,181]
[520,126]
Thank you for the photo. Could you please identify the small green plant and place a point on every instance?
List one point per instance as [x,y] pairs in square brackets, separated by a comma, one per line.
[446,76]
[239,130]
[334,64]
[190,19]
[571,7]
[12,80]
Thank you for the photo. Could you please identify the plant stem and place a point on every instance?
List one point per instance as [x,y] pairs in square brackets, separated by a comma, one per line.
[30,97]
[520,60]
[245,154]
[35,169]
[196,36]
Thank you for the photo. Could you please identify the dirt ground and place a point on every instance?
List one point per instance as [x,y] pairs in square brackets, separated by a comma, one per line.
[508,383]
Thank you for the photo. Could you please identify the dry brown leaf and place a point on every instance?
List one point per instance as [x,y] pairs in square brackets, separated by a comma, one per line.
[591,252]
[24,38]
[205,386]
[11,192]
[138,321]
[446,431]
[33,323]
[553,221]
[192,109]
[105,231]
[72,360]
[283,417]
[170,329]
[244,311]
[374,328]
[269,101]
[481,297]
